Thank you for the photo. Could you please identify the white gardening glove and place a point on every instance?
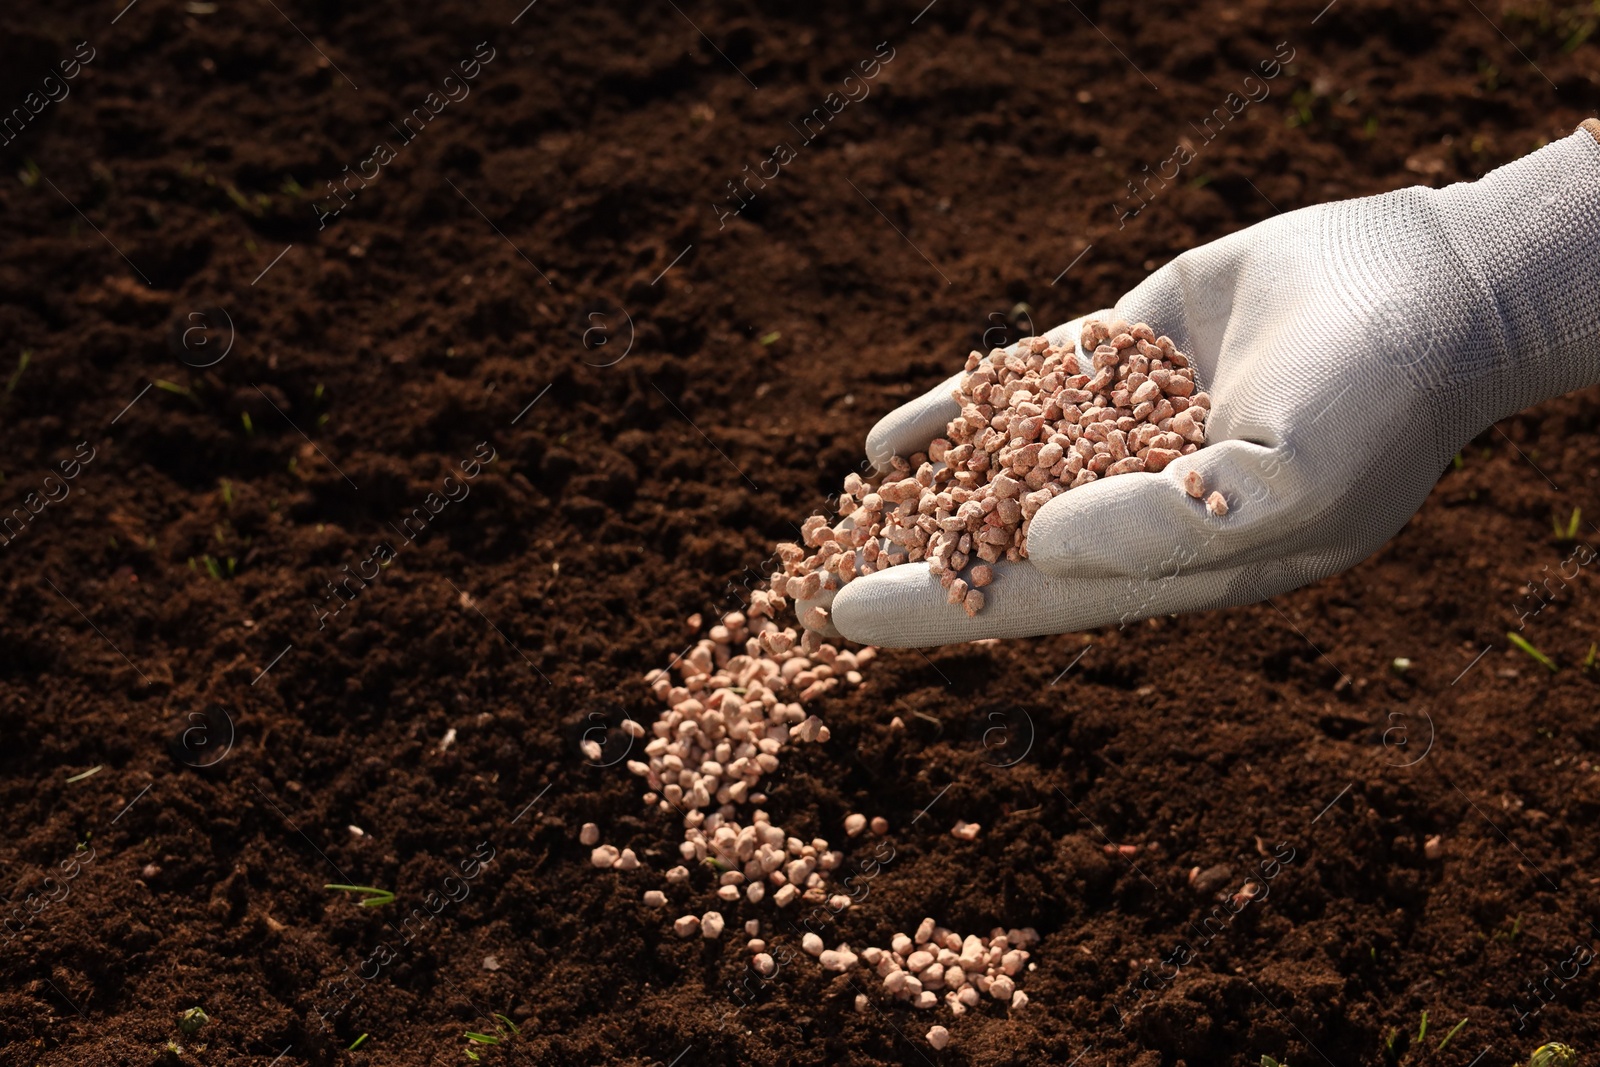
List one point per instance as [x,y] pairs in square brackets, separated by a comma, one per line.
[1350,349]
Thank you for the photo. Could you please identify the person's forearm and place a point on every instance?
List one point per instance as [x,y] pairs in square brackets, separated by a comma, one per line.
[1527,239]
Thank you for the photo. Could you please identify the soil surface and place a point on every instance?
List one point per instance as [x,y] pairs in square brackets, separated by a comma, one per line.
[552,385]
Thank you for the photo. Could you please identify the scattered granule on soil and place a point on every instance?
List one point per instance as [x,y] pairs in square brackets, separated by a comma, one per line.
[735,706]
[935,961]
[724,726]
[1034,423]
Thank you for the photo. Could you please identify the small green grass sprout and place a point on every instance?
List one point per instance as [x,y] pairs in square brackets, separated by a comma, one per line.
[1454,1030]
[175,389]
[22,365]
[370,897]
[1521,642]
[1567,531]
[474,1037]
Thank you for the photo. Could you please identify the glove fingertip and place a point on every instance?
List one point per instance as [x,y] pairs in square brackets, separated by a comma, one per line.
[908,428]
[859,617]
[1069,532]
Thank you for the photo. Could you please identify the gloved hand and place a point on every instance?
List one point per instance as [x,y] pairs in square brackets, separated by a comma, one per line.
[1350,350]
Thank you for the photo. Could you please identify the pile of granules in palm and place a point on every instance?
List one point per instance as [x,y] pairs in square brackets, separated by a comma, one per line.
[1034,423]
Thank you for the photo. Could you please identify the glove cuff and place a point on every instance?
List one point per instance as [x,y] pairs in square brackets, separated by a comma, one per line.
[1527,235]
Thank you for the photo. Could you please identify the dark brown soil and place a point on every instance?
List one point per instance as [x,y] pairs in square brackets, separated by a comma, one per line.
[163,622]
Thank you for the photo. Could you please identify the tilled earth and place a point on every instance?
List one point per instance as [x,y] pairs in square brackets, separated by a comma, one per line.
[368,435]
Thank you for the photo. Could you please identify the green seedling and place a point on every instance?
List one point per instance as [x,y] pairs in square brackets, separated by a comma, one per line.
[357,1043]
[1458,462]
[90,773]
[1569,530]
[1422,1031]
[1268,1061]
[1454,1030]
[1400,665]
[249,426]
[176,390]
[475,1038]
[1553,1054]
[1303,102]
[192,1020]
[242,202]
[227,493]
[1516,928]
[22,365]
[370,896]
[768,339]
[1521,642]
